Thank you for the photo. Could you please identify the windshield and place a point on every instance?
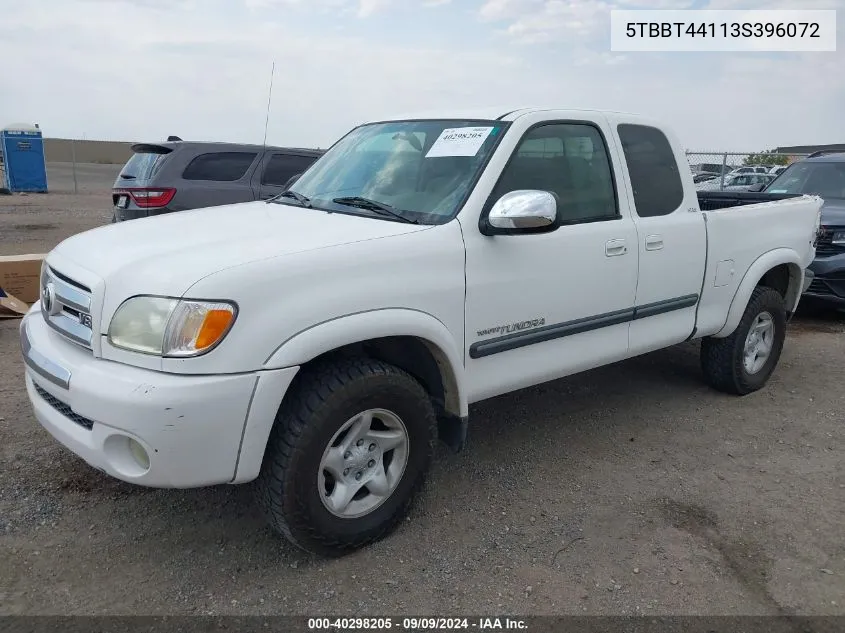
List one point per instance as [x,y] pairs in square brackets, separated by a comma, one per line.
[423,169]
[821,179]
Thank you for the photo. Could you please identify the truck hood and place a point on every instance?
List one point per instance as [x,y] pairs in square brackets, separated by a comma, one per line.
[833,212]
[167,254]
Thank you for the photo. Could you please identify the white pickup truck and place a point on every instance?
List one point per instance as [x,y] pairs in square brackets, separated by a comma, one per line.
[317,344]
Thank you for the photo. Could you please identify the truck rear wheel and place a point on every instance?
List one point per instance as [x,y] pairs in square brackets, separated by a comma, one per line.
[349,451]
[743,362]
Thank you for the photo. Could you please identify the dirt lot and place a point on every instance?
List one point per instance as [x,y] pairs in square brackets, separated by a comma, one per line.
[629,489]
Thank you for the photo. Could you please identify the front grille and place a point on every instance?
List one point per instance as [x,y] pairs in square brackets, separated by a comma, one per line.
[66,307]
[64,409]
[70,281]
[825,245]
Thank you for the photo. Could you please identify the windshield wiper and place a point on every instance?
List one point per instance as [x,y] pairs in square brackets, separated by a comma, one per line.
[305,202]
[374,205]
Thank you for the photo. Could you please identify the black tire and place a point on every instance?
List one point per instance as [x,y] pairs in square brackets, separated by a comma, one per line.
[722,358]
[322,399]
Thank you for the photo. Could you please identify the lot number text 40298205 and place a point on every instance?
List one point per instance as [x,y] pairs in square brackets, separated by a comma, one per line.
[417,624]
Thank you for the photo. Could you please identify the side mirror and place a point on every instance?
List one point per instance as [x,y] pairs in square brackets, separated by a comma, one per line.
[523,210]
[292,180]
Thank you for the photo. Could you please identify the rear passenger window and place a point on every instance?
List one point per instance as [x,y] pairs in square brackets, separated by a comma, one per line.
[570,161]
[281,167]
[221,166]
[655,179]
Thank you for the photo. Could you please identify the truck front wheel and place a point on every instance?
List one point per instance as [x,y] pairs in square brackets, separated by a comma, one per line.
[743,362]
[349,451]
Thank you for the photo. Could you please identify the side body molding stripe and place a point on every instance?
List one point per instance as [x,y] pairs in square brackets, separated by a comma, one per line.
[667,305]
[480,349]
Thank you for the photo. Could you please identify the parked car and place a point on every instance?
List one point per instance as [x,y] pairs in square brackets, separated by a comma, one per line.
[703,176]
[710,168]
[749,169]
[180,175]
[736,182]
[822,175]
[319,342]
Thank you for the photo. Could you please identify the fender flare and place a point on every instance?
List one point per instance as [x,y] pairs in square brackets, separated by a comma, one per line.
[371,324]
[752,277]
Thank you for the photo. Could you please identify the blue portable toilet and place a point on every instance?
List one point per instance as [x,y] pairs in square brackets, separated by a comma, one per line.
[23,158]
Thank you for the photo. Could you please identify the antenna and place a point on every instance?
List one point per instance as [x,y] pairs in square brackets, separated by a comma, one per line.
[269,99]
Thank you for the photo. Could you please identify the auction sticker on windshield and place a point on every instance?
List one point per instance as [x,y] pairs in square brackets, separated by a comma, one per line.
[459,141]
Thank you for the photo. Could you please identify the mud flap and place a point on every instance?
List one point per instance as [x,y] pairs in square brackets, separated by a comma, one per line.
[452,431]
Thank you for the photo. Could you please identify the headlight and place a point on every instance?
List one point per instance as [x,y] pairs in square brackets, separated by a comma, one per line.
[838,238]
[170,327]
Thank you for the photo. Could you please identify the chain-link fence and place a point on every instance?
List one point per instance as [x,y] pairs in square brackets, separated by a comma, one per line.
[736,171]
[83,166]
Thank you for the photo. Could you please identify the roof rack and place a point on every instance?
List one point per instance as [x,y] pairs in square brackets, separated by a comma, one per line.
[825,152]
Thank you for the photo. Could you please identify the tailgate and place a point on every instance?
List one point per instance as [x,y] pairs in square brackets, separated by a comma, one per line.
[139,171]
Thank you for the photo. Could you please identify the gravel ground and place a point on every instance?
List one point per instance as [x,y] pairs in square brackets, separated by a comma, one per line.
[632,489]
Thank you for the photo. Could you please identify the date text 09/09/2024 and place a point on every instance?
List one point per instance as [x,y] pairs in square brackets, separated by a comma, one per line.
[417,624]
[723,29]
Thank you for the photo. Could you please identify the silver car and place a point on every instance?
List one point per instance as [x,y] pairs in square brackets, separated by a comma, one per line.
[736,182]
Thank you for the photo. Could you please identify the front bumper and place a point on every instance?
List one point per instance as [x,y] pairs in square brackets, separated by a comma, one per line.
[195,430]
[809,275]
[828,279]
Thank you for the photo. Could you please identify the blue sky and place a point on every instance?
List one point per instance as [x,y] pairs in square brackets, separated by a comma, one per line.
[144,69]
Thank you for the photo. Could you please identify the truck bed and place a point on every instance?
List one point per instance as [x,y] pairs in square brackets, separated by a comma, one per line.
[767,223]
[713,200]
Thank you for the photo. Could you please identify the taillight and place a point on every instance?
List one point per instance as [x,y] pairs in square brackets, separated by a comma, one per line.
[148,198]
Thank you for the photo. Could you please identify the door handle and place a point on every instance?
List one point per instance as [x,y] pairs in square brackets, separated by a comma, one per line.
[614,248]
[653,242]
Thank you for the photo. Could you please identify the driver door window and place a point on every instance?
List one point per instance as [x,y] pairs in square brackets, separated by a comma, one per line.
[570,161]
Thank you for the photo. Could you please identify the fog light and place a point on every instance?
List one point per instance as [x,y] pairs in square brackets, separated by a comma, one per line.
[139,454]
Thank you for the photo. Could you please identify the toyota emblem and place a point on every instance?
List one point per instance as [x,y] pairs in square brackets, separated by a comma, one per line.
[48,298]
